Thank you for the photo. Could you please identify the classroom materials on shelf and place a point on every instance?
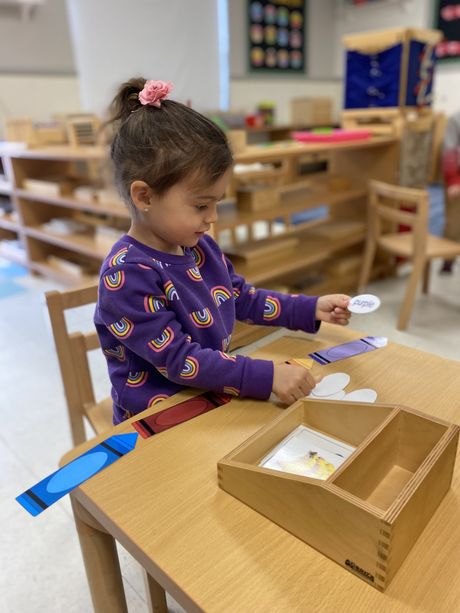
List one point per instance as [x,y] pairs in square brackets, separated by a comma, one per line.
[331,136]
[27,133]
[39,497]
[54,186]
[65,226]
[390,68]
[73,266]
[263,250]
[311,111]
[85,193]
[266,111]
[237,140]
[257,197]
[365,520]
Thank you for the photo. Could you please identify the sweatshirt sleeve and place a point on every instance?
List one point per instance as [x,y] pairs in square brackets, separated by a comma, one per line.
[133,306]
[269,308]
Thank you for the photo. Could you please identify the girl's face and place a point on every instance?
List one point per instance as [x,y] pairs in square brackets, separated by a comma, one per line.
[180,217]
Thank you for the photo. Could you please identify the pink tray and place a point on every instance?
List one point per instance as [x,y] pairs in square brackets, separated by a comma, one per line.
[335,136]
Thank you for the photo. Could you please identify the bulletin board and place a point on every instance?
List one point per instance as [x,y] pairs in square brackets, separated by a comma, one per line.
[447,19]
[276,36]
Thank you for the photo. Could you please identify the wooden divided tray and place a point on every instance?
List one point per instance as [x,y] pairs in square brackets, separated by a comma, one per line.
[367,512]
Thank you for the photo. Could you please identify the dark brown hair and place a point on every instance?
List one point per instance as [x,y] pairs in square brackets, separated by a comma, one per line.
[162,146]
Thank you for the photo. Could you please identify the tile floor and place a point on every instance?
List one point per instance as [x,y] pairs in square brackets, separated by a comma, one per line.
[40,558]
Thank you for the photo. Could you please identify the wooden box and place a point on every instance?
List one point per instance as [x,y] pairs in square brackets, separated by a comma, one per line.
[237,140]
[54,186]
[256,197]
[311,111]
[266,249]
[369,512]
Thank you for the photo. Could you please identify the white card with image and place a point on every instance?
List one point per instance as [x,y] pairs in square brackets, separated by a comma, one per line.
[309,453]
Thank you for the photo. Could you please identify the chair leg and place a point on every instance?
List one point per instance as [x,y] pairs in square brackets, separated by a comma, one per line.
[156,595]
[426,277]
[368,259]
[411,290]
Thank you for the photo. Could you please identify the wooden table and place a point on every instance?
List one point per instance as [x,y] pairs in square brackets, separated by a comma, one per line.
[212,553]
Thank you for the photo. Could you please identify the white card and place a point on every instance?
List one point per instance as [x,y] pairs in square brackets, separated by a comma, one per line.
[340,395]
[309,453]
[362,395]
[331,384]
[364,303]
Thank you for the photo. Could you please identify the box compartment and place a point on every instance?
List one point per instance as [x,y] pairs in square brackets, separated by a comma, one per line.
[379,473]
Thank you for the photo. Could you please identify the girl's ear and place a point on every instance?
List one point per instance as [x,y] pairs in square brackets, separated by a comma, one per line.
[141,195]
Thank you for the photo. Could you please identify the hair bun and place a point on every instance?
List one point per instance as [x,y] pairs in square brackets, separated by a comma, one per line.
[127,99]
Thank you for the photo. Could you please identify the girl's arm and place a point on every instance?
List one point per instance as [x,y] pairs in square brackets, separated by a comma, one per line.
[137,316]
[269,308]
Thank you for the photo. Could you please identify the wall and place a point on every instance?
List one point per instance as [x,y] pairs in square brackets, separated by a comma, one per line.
[175,41]
[37,96]
[37,68]
[246,89]
[38,45]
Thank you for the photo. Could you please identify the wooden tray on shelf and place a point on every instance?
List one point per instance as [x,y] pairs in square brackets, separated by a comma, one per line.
[260,250]
[368,513]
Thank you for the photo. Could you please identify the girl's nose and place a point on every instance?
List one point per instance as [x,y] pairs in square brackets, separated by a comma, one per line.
[212,215]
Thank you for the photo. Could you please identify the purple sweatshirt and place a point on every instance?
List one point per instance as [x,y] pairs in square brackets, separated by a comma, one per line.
[165,322]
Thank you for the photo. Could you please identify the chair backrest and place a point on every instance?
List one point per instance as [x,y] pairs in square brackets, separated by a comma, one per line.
[72,350]
[391,206]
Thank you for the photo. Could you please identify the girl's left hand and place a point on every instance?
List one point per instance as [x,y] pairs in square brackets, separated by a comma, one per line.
[333,309]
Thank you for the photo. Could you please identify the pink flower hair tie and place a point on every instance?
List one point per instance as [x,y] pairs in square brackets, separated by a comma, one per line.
[154,92]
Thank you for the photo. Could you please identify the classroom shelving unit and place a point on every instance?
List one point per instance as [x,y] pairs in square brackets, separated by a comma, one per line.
[56,182]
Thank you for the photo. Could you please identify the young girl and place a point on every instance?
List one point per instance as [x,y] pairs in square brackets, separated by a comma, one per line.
[168,297]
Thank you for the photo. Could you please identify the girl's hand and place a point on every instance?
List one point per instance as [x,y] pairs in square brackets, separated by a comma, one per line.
[291,382]
[333,309]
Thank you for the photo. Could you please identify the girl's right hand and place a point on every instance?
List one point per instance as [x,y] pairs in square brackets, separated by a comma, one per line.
[291,382]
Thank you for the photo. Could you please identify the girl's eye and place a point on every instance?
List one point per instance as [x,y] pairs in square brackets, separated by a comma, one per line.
[201,207]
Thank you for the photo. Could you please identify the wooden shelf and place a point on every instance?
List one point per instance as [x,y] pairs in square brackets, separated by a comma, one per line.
[86,245]
[46,269]
[8,223]
[60,152]
[312,250]
[276,151]
[71,203]
[291,202]
[299,189]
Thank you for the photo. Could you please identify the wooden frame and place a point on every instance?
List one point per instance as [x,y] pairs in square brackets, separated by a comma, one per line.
[417,245]
[368,514]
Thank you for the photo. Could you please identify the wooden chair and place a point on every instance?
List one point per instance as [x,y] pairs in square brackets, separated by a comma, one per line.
[72,350]
[384,216]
